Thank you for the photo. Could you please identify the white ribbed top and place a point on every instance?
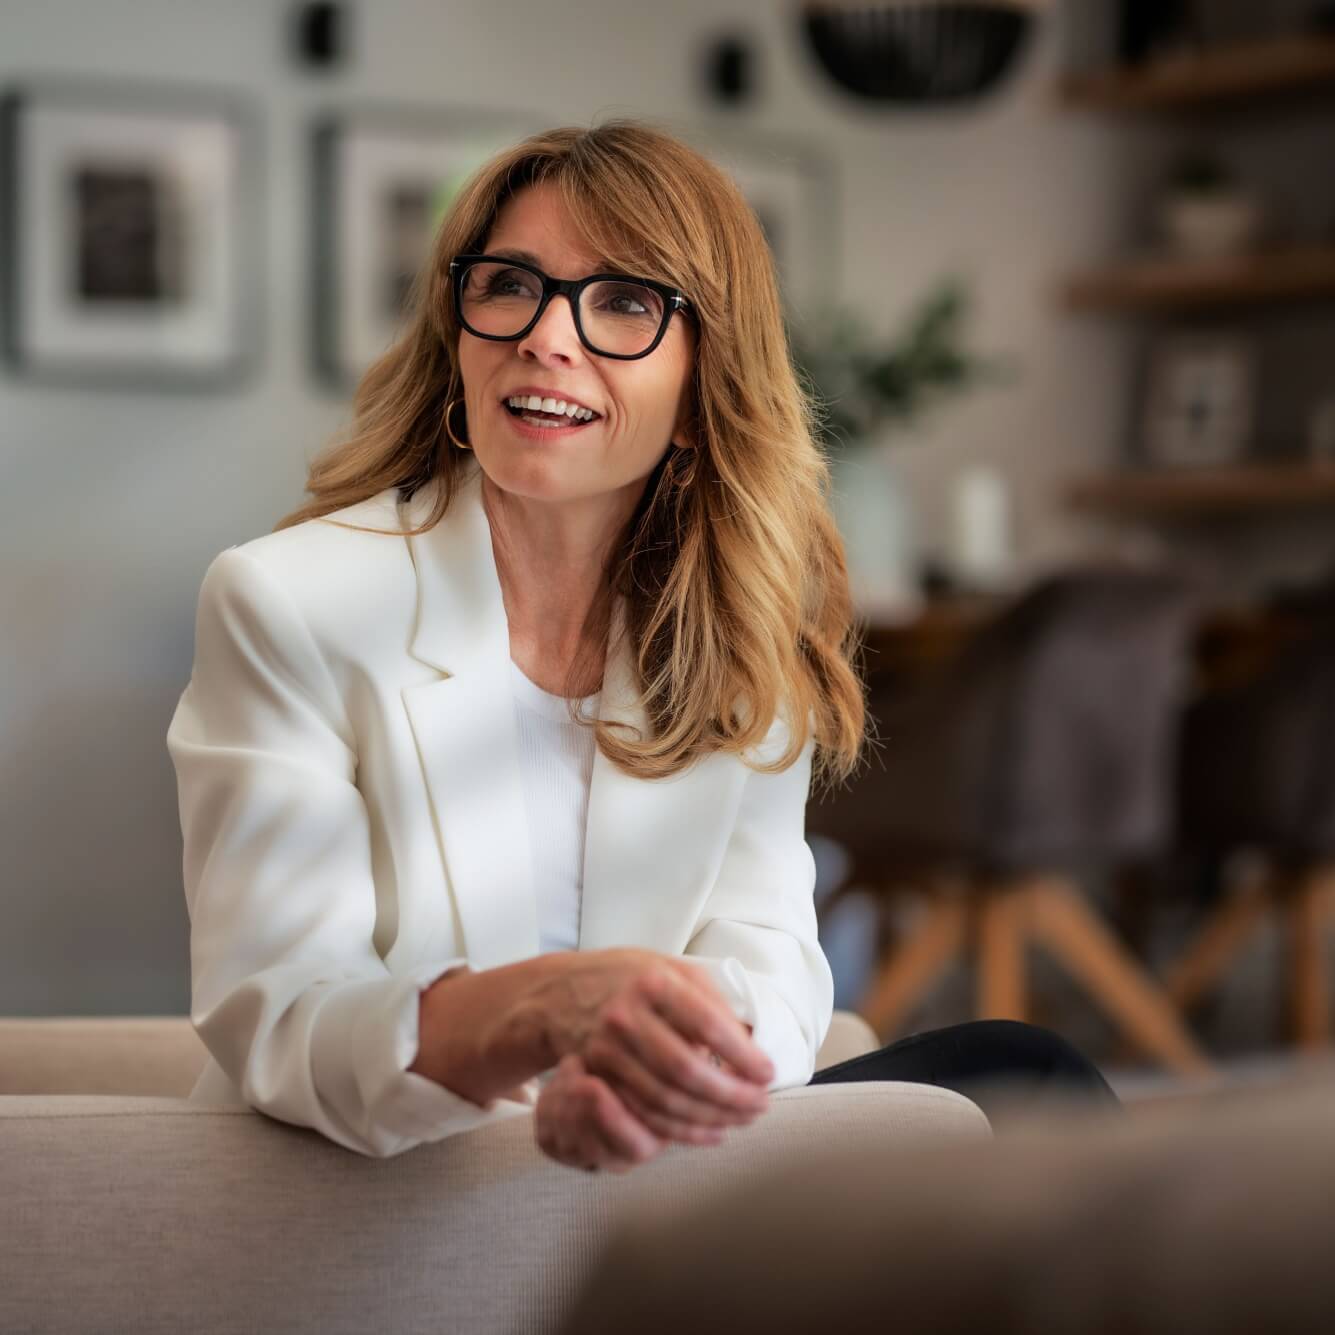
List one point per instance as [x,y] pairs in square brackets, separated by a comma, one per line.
[556,764]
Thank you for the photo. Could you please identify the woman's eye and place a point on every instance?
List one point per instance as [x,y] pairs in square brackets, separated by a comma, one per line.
[627,301]
[509,283]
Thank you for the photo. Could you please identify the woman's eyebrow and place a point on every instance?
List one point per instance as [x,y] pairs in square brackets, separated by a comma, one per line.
[512,253]
[528,257]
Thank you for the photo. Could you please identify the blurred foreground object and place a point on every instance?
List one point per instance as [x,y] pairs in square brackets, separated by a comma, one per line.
[1213,1217]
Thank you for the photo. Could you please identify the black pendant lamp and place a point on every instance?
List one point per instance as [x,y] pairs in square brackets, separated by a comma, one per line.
[917,51]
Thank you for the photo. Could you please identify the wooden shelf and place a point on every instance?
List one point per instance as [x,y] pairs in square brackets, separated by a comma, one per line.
[1169,283]
[1242,489]
[1227,74]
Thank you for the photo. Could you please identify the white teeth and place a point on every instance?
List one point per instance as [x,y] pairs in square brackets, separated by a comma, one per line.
[550,405]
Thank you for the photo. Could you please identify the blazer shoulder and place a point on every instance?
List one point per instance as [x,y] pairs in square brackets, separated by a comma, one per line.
[342,580]
[339,533]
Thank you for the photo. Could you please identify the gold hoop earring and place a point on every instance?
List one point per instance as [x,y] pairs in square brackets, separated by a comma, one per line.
[449,407]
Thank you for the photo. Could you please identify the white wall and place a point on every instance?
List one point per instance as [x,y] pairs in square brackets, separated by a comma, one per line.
[115,502]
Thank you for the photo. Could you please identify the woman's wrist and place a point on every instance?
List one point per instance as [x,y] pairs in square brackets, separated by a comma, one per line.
[479,1033]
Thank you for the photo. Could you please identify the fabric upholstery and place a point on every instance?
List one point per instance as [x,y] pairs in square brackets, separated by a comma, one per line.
[161,1056]
[149,1055]
[159,1215]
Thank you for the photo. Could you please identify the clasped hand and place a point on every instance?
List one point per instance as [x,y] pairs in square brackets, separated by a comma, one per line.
[635,1033]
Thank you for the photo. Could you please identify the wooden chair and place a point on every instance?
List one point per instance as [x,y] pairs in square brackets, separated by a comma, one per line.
[1258,775]
[1047,744]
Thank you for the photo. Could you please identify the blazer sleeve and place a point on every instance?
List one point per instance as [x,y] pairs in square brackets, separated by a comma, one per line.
[288,992]
[756,935]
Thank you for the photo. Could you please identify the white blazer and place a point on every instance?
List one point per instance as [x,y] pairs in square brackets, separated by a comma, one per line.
[353,821]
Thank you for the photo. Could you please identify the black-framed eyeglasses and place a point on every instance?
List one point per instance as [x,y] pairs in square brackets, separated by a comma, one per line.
[616,315]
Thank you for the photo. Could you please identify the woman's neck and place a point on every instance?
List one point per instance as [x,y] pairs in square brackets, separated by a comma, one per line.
[551,564]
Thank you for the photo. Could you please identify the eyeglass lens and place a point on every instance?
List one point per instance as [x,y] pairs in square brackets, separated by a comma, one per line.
[619,317]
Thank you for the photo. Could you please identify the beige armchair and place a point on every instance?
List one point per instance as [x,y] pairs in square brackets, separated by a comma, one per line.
[129,1208]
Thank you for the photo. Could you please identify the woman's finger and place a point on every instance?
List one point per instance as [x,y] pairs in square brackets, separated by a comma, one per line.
[670,1128]
[686,1084]
[559,1121]
[613,1126]
[590,1125]
[623,1059]
[722,1033]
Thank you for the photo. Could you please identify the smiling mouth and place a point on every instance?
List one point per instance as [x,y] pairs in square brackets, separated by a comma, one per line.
[542,421]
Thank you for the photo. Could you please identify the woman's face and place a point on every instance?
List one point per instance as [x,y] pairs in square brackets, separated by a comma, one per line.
[643,403]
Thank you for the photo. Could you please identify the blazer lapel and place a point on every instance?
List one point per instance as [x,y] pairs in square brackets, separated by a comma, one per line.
[652,848]
[465,731]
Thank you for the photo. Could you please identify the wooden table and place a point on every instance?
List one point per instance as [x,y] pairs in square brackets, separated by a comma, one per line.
[1231,643]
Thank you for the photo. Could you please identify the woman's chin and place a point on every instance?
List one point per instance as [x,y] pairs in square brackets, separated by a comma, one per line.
[532,477]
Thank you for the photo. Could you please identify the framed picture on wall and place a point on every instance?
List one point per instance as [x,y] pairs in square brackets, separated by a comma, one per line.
[1199,399]
[130,250]
[383,178]
[793,188]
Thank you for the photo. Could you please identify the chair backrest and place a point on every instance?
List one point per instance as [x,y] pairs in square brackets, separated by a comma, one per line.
[1052,737]
[162,1056]
[1083,751]
[148,1055]
[157,1214]
[1258,761]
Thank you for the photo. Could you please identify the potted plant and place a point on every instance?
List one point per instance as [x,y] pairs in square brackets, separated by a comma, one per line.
[1205,212]
[867,388]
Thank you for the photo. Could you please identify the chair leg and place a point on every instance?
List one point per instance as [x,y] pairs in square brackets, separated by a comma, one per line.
[1136,891]
[1226,931]
[912,967]
[1001,923]
[1089,950]
[1305,911]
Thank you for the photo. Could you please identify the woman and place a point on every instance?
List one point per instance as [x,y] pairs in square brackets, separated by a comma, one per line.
[494,758]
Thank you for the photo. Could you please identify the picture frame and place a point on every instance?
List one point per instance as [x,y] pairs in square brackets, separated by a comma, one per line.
[130,224]
[1199,400]
[793,186]
[383,176]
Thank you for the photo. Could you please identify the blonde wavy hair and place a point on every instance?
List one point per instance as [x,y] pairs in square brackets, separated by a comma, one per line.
[732,569]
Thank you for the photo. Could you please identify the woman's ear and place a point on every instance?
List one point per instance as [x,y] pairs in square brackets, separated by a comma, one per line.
[684,434]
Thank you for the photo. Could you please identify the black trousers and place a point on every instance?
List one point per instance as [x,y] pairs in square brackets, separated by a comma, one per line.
[1002,1065]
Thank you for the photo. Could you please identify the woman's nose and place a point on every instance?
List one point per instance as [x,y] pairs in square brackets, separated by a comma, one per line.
[555,330]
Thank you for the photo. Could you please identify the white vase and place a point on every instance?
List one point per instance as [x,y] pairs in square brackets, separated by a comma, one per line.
[876,523]
[1209,226]
[981,535]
